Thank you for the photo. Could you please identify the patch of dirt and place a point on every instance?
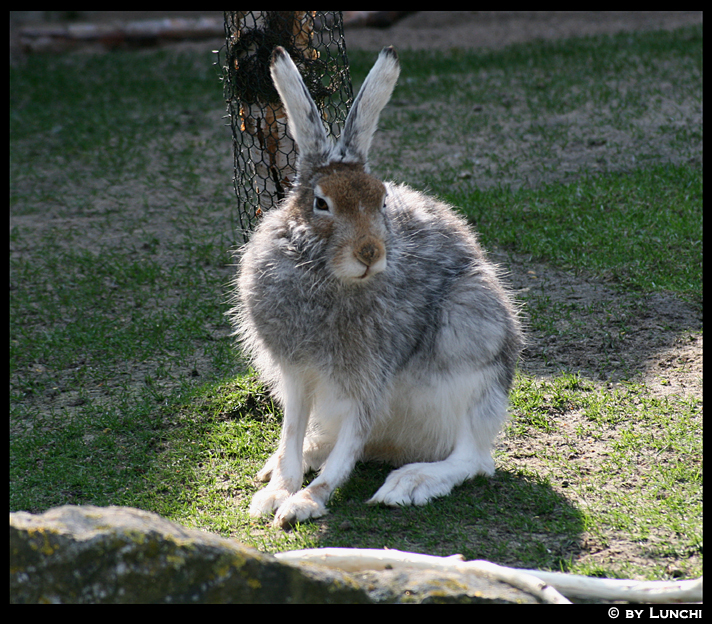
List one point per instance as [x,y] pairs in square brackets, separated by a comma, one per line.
[605,334]
[444,30]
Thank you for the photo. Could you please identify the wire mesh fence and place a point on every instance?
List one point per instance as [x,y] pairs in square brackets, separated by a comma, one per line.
[265,154]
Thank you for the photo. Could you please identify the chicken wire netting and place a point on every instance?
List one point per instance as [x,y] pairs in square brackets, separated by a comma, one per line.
[265,155]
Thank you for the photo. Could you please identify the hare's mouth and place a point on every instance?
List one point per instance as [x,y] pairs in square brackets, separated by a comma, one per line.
[371,270]
[366,274]
[355,271]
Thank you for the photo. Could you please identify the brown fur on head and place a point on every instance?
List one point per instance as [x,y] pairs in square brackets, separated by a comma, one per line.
[345,204]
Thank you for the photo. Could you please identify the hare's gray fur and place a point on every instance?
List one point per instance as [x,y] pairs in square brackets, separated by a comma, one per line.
[378,323]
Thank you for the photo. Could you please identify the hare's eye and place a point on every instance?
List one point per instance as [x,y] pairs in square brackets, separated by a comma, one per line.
[320,205]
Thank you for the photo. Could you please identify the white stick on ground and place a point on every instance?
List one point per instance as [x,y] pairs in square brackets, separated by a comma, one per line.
[548,586]
[355,559]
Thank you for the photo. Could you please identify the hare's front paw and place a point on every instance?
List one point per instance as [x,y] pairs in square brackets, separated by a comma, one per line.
[297,508]
[267,500]
[413,484]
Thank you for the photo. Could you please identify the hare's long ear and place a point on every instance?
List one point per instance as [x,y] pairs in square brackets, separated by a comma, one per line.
[355,140]
[303,118]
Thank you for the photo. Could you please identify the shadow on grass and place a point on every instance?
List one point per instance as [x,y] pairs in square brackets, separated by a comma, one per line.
[510,518]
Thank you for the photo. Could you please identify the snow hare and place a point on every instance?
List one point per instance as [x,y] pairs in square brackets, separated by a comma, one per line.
[373,315]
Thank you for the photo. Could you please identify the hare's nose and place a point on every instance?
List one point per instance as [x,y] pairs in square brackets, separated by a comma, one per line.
[369,253]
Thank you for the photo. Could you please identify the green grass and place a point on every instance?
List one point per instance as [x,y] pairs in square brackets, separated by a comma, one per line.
[641,230]
[124,384]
